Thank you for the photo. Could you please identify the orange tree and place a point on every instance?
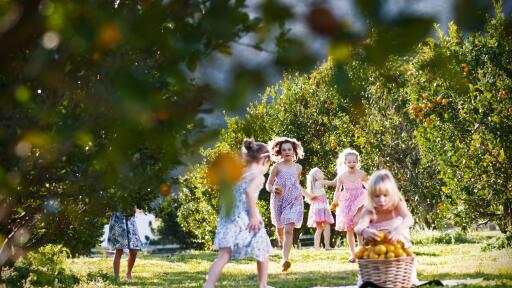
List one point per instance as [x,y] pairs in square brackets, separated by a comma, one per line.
[308,108]
[98,102]
[459,94]
[385,134]
[412,114]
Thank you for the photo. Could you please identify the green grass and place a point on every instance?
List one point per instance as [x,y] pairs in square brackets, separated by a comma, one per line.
[309,268]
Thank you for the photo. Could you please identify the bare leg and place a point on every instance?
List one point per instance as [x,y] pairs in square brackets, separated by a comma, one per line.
[351,243]
[356,218]
[327,235]
[280,235]
[217,266]
[117,262]
[318,235]
[262,272]
[288,240]
[131,262]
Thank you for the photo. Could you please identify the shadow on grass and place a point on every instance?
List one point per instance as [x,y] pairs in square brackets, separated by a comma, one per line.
[419,253]
[502,280]
[232,280]
[295,279]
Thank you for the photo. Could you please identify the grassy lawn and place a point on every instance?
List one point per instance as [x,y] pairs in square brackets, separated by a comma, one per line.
[309,268]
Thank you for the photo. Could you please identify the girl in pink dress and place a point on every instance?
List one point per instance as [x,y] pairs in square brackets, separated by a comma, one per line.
[386,210]
[350,196]
[319,215]
[286,202]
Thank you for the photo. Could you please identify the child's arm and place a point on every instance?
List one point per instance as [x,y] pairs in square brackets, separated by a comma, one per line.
[255,222]
[407,222]
[271,179]
[336,196]
[364,179]
[339,188]
[327,182]
[309,196]
[362,226]
[299,170]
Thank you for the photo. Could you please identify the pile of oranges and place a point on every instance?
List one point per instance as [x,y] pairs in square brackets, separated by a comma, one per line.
[383,249]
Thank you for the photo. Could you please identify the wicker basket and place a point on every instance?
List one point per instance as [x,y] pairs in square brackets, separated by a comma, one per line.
[395,272]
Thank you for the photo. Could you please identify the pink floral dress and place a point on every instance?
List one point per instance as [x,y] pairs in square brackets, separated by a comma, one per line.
[288,206]
[350,199]
[319,210]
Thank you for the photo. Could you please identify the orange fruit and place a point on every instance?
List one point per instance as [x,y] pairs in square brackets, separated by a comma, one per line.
[397,246]
[420,114]
[373,255]
[408,252]
[424,106]
[165,189]
[383,256]
[439,99]
[445,101]
[465,68]
[428,121]
[366,255]
[401,254]
[381,235]
[431,105]
[109,35]
[359,254]
[385,237]
[226,167]
[390,255]
[380,249]
[389,247]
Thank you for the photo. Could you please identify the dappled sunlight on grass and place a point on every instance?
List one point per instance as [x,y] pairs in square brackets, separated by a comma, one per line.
[309,268]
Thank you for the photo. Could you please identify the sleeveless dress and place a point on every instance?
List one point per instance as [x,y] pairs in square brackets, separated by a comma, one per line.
[123,233]
[288,206]
[349,201]
[389,224]
[232,231]
[319,210]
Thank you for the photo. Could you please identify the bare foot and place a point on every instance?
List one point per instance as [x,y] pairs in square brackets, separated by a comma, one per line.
[328,248]
[129,277]
[352,259]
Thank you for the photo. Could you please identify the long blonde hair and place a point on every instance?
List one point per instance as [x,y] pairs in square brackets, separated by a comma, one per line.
[340,162]
[382,180]
[311,180]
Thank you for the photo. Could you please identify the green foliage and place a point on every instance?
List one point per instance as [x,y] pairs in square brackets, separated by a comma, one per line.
[170,231]
[499,242]
[99,101]
[98,105]
[197,212]
[45,267]
[469,139]
[452,236]
[303,107]
[438,119]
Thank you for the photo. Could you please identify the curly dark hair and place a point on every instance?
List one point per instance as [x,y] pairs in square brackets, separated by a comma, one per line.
[275,148]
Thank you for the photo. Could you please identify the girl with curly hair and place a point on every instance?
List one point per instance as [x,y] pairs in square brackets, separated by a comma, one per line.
[286,202]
